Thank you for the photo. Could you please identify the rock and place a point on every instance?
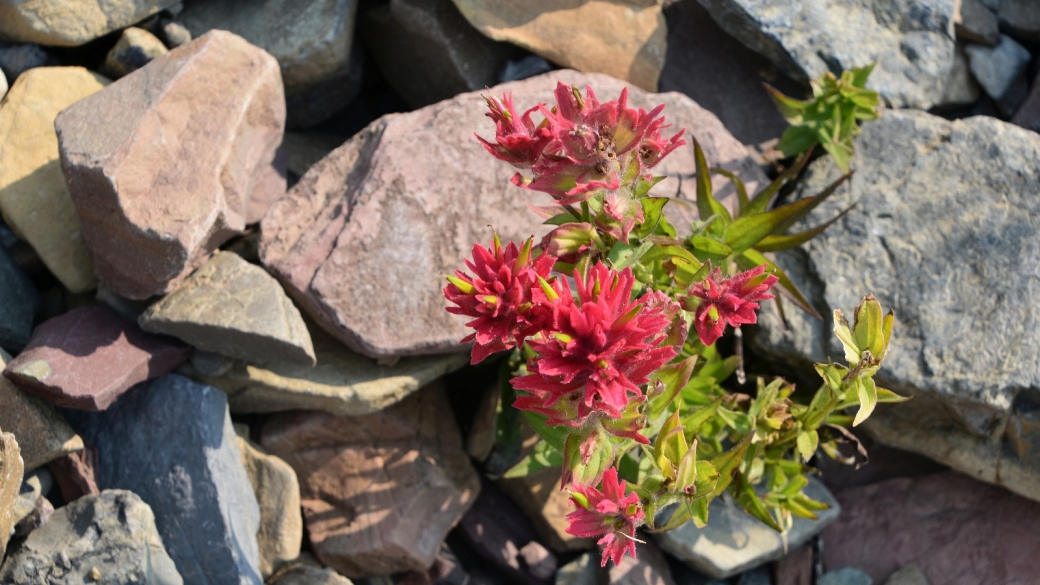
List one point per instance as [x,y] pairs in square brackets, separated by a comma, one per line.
[54,23]
[305,149]
[128,309]
[379,491]
[76,473]
[173,33]
[271,182]
[1028,114]
[998,68]
[19,301]
[428,52]
[310,106]
[1021,17]
[343,382]
[306,575]
[135,49]
[648,568]
[845,576]
[112,533]
[16,59]
[35,486]
[759,576]
[734,541]
[540,497]
[278,494]
[42,434]
[961,87]
[974,22]
[40,514]
[311,39]
[584,570]
[10,486]
[949,246]
[908,575]
[170,441]
[88,357]
[795,568]
[154,210]
[3,85]
[529,66]
[625,39]
[333,247]
[913,48]
[497,530]
[234,308]
[539,561]
[722,75]
[957,530]
[33,196]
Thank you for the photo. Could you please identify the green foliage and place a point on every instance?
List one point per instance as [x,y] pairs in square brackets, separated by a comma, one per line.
[830,118]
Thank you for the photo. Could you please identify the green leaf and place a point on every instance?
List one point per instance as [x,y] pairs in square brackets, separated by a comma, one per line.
[797,140]
[653,210]
[707,205]
[764,197]
[814,202]
[562,218]
[706,248]
[693,421]
[751,259]
[889,396]
[555,436]
[544,456]
[728,462]
[623,255]
[868,398]
[869,329]
[790,108]
[670,252]
[807,443]
[742,196]
[673,377]
[749,500]
[600,458]
[749,230]
[786,242]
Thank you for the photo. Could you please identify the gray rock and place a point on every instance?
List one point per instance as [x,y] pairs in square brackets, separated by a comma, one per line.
[112,532]
[171,442]
[1021,17]
[309,575]
[997,67]
[529,66]
[40,514]
[911,41]
[583,570]
[961,87]
[311,105]
[907,575]
[173,33]
[649,567]
[234,308]
[428,52]
[759,576]
[845,576]
[734,541]
[34,486]
[16,58]
[135,49]
[977,23]
[945,232]
[19,301]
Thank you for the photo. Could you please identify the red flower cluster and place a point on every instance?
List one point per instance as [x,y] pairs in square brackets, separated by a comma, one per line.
[610,513]
[729,300]
[504,296]
[597,351]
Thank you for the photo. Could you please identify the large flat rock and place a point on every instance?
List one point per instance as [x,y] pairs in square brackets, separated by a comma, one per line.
[161,164]
[69,24]
[170,441]
[911,42]
[362,241]
[946,231]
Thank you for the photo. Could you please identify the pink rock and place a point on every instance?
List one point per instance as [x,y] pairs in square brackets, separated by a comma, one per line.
[363,240]
[269,188]
[89,356]
[161,164]
[959,531]
[75,473]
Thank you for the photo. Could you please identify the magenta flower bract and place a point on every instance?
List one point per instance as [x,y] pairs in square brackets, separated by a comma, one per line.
[730,301]
[610,513]
[600,349]
[504,297]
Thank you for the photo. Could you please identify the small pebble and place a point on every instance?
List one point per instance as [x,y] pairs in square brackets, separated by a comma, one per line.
[95,574]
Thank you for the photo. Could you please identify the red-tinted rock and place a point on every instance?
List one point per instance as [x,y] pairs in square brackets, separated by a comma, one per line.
[74,473]
[796,568]
[363,240]
[379,491]
[161,165]
[89,356]
[269,188]
[957,530]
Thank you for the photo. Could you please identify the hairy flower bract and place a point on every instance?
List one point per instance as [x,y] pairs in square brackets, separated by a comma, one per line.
[730,301]
[610,513]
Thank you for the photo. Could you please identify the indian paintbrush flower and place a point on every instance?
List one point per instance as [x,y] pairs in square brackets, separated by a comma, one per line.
[730,301]
[609,513]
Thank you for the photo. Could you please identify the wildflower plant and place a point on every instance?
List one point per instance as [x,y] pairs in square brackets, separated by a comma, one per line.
[612,320]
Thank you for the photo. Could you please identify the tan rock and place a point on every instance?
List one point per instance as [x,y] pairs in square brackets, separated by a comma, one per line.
[363,240]
[623,38]
[649,567]
[343,382]
[135,49]
[161,164]
[540,497]
[234,308]
[10,485]
[33,196]
[278,493]
[69,23]
[307,575]
[42,434]
[380,491]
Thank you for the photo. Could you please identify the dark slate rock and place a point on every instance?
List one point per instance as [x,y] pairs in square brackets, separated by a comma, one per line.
[16,58]
[171,442]
[19,300]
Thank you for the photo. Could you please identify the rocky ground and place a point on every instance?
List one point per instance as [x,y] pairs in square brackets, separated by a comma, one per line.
[224,350]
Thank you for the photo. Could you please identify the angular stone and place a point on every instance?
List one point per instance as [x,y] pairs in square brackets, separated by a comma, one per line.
[307,575]
[584,570]
[913,49]
[908,575]
[307,148]
[16,59]
[271,183]
[10,486]
[625,39]
[40,514]
[135,49]
[947,238]
[89,356]
[542,500]
[957,530]
[35,485]
[759,576]
[42,434]
[734,541]
[795,568]
[529,66]
[845,576]
[1028,114]
[362,241]
[342,383]
[63,24]
[311,39]
[112,532]
[997,67]
[161,165]
[961,87]
[648,568]
[235,308]
[309,106]
[428,52]
[1022,17]
[76,473]
[278,494]
[380,491]
[19,302]
[34,198]
[171,442]
[975,22]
